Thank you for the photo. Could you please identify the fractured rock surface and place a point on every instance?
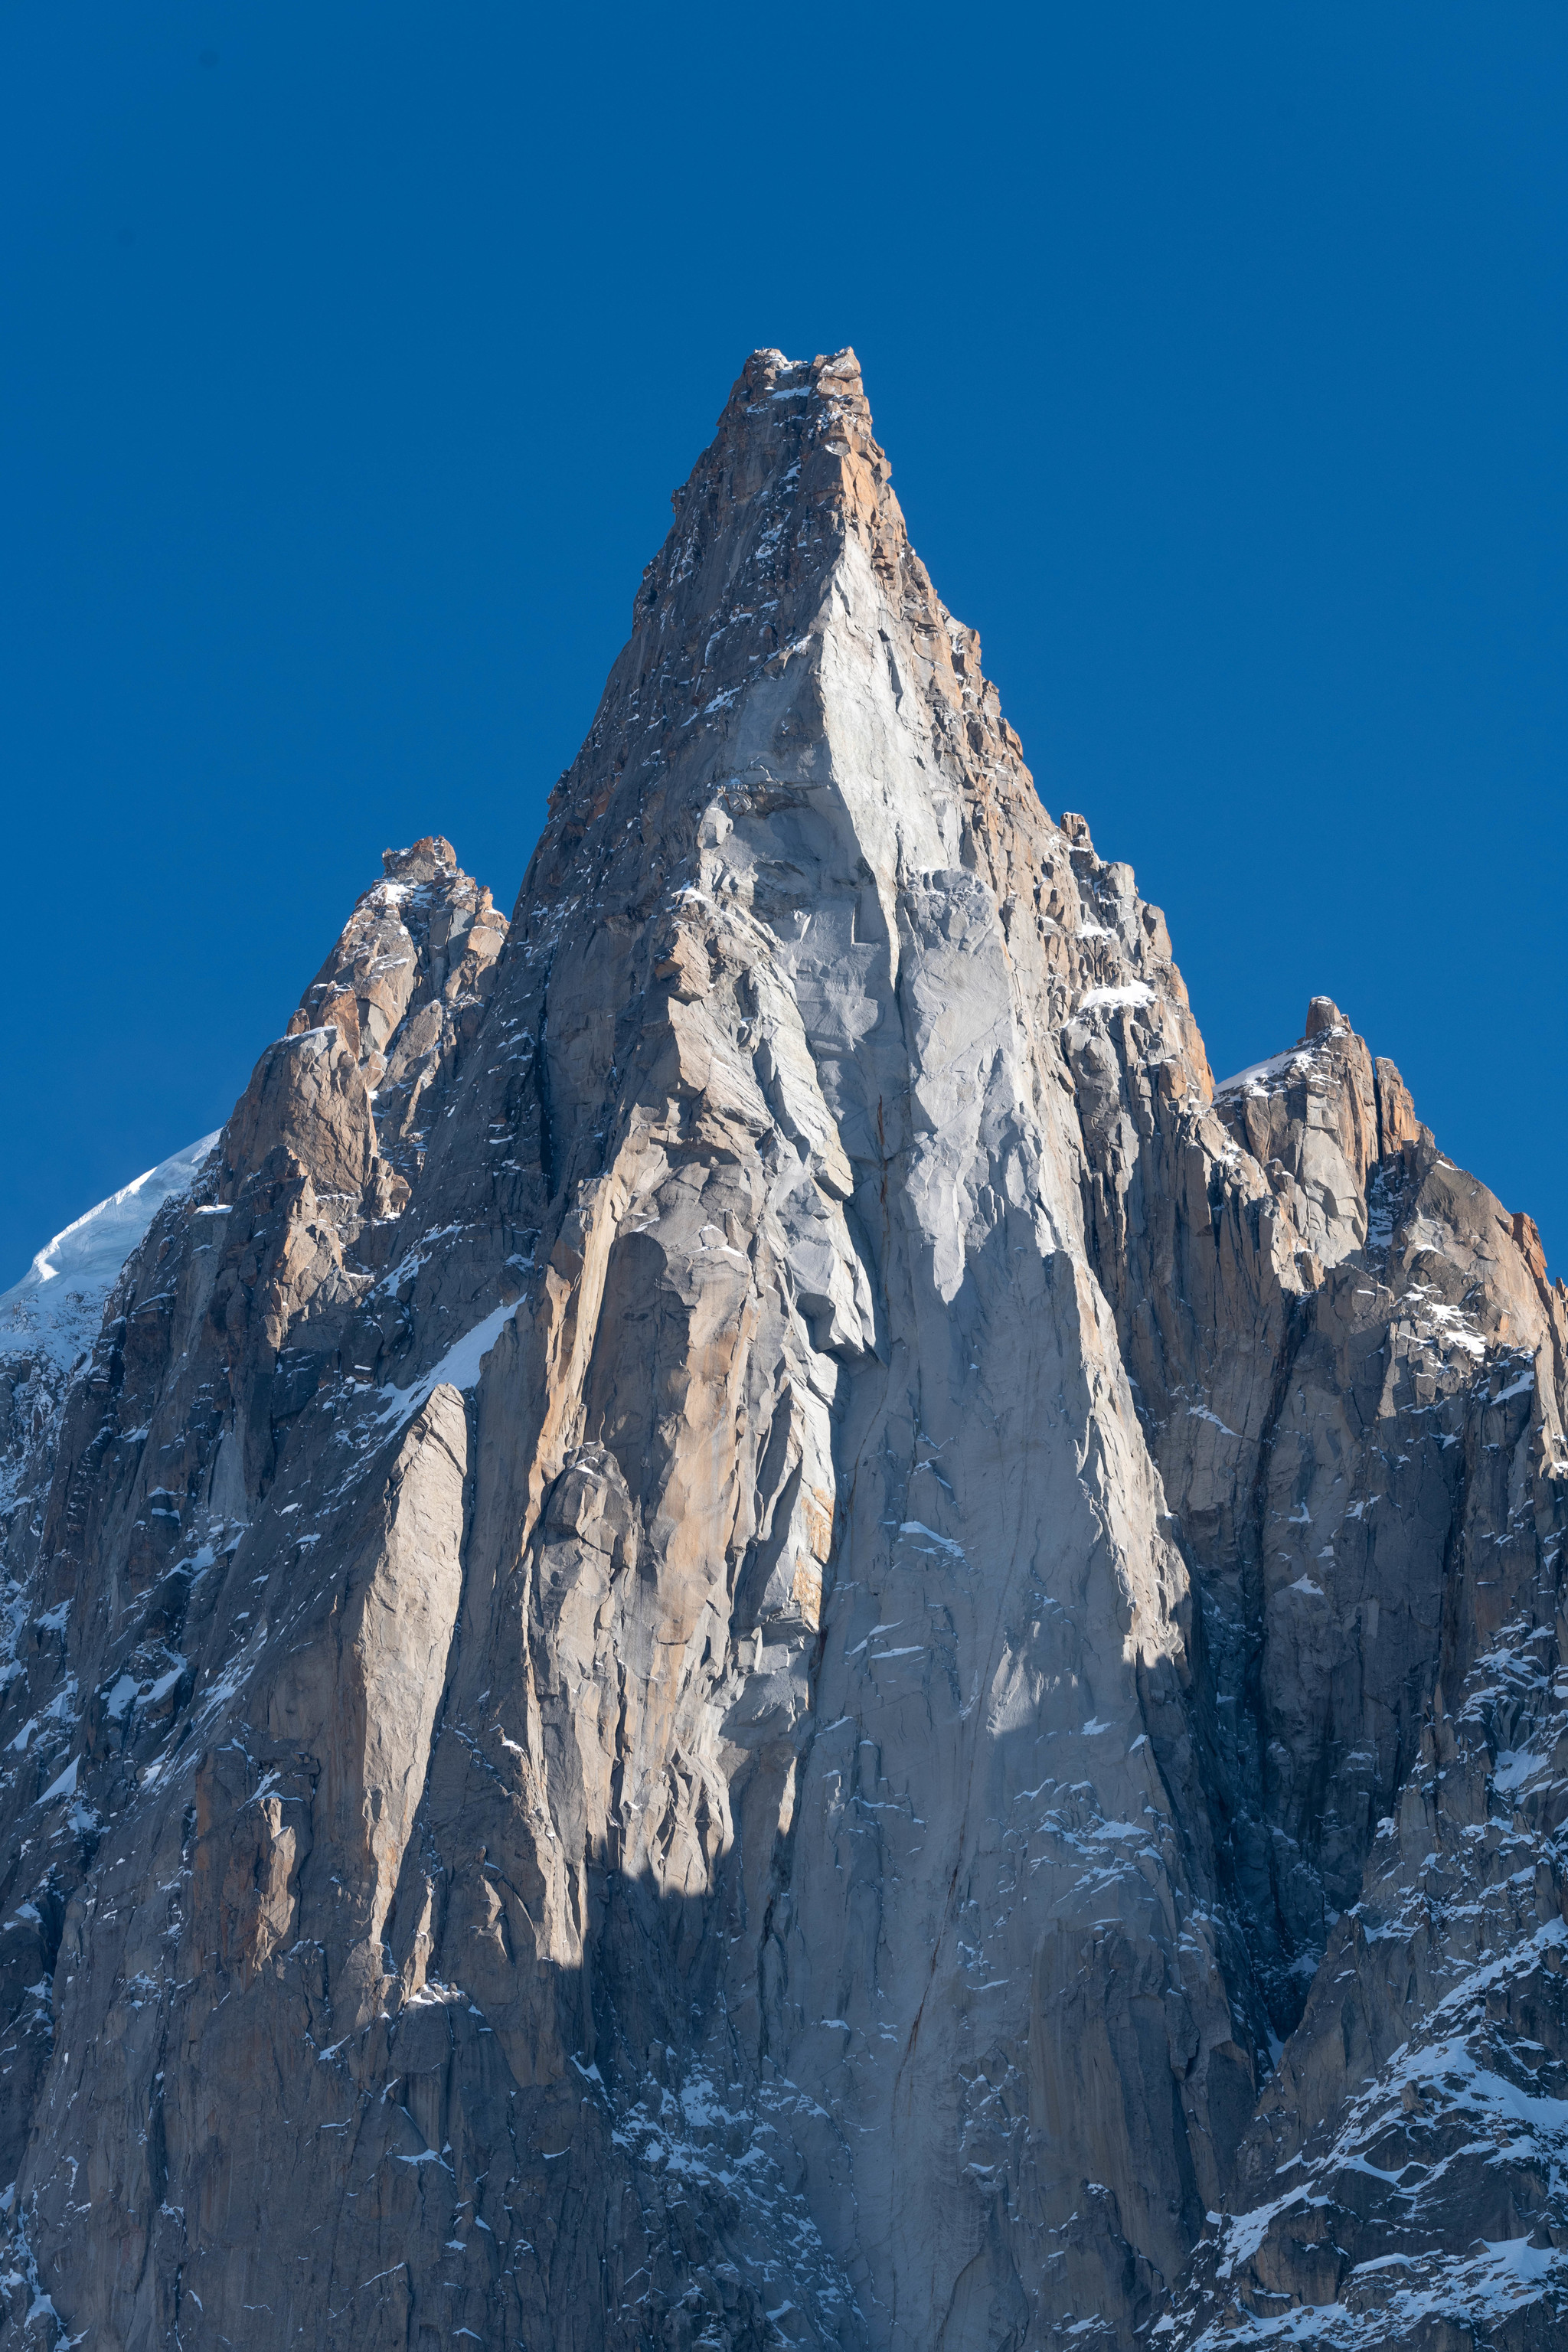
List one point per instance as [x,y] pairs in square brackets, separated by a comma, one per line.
[750,1631]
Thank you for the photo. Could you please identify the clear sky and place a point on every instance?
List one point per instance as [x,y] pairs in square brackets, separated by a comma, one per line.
[351,352]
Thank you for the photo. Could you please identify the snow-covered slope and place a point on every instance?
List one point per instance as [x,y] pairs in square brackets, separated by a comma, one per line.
[54,1310]
[49,1322]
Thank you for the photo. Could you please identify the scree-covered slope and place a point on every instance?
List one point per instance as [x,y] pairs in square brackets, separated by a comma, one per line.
[749,1631]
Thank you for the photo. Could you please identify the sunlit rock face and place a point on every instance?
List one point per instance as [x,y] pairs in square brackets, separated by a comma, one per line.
[749,1631]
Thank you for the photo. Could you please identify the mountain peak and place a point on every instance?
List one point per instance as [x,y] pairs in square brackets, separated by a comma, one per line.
[422,861]
[786,612]
[785,1643]
[793,440]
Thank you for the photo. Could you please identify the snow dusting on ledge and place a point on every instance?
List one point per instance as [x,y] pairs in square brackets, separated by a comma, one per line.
[460,1367]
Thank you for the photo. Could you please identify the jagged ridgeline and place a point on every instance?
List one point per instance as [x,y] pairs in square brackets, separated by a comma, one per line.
[744,1630]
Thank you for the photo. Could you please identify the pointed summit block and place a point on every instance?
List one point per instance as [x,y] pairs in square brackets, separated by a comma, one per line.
[787,542]
[789,976]
[796,713]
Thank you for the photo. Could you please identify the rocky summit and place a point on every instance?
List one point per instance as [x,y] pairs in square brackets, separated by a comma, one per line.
[743,1628]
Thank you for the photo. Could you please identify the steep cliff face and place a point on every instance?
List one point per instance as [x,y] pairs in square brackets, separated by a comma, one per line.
[750,1631]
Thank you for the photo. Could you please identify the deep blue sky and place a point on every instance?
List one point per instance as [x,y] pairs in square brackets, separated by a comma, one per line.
[351,352]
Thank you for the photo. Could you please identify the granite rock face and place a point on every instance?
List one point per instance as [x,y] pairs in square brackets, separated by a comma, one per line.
[749,1631]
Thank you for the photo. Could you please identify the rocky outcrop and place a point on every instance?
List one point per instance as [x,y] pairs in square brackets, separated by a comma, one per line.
[752,1630]
[150,1402]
